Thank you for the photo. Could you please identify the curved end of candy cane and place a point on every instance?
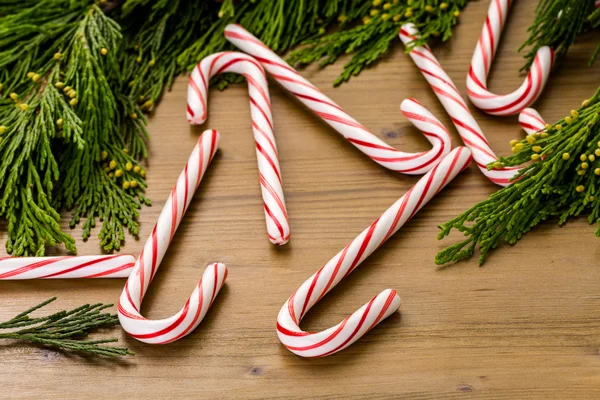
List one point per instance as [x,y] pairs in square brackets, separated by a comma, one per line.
[531,121]
[431,128]
[336,338]
[170,329]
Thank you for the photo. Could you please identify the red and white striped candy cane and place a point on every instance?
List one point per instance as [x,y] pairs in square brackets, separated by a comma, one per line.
[177,326]
[278,226]
[334,339]
[457,108]
[531,121]
[332,114]
[481,63]
[69,267]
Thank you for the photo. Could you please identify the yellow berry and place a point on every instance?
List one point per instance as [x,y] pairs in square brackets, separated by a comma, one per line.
[134,116]
[544,135]
[148,104]
[23,106]
[111,175]
[581,172]
[583,157]
[385,17]
[57,56]
[112,164]
[498,165]
[387,6]
[36,77]
[580,188]
[548,127]
[342,18]
[67,89]
[1,86]
[408,13]
[74,102]
[2,129]
[30,75]
[125,185]
[138,60]
[133,183]
[568,120]
[574,113]
[514,150]
[131,83]
[396,17]
[428,8]
[443,6]
[530,139]
[59,122]
[585,103]
[137,169]
[14,96]
[566,156]
[537,149]
[126,151]
[513,142]
[128,166]
[374,13]
[152,62]
[597,152]
[143,173]
[519,146]
[104,51]
[584,165]
[72,94]
[558,127]
[535,157]
[376,3]
[456,13]
[118,173]
[104,155]
[597,171]
[59,85]
[591,157]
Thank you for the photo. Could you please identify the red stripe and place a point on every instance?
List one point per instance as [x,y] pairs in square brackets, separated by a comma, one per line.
[30,267]
[75,268]
[169,328]
[112,271]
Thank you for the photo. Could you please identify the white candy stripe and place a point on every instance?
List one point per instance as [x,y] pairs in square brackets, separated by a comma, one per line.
[334,339]
[457,108]
[332,114]
[531,121]
[189,317]
[69,267]
[278,226]
[481,63]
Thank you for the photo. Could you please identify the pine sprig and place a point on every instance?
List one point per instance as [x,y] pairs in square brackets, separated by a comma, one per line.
[557,24]
[380,24]
[64,329]
[562,180]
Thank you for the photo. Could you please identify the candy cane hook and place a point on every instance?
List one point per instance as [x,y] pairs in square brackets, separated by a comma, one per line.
[333,115]
[334,339]
[481,63]
[457,108]
[531,121]
[189,317]
[278,226]
[69,267]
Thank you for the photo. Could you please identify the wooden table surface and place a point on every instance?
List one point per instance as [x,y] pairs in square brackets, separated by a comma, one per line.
[526,325]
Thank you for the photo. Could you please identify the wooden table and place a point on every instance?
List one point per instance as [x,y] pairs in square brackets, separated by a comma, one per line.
[526,325]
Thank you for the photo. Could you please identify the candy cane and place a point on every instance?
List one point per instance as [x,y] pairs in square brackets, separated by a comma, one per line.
[528,92]
[112,266]
[531,121]
[451,99]
[278,226]
[170,329]
[334,339]
[332,114]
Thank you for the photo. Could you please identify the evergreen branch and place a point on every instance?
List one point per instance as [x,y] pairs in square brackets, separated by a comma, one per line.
[557,24]
[62,329]
[562,180]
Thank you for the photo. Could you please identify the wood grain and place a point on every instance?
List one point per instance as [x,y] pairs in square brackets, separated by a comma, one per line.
[526,325]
